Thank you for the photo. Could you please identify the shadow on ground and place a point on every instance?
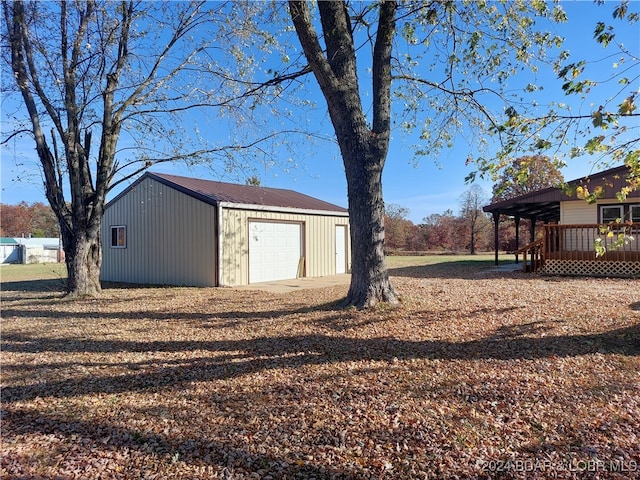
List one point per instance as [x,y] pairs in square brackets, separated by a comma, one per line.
[466,269]
[227,359]
[231,359]
[51,285]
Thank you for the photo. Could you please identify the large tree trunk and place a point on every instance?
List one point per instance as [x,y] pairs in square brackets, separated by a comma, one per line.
[83,255]
[363,147]
[369,277]
[80,218]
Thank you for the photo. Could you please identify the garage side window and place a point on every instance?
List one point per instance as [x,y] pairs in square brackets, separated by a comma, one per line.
[118,236]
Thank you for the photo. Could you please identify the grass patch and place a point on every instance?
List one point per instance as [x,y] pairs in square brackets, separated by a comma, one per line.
[480,260]
[442,266]
[33,271]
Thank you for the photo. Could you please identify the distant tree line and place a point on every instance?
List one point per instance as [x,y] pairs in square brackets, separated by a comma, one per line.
[28,220]
[471,229]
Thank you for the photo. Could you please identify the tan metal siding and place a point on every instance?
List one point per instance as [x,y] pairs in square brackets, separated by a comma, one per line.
[318,242]
[578,213]
[171,238]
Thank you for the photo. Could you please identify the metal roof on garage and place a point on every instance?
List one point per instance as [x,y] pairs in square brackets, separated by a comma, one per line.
[230,193]
[545,204]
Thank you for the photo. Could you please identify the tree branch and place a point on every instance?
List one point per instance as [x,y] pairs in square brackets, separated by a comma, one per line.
[301,17]
[382,69]
[193,154]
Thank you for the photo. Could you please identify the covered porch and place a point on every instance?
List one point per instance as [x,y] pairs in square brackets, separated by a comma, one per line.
[542,206]
[564,246]
[570,250]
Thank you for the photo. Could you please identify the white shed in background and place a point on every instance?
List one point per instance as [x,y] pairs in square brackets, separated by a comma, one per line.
[31,250]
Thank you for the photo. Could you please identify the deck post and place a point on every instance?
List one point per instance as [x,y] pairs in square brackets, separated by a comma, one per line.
[532,230]
[517,220]
[496,223]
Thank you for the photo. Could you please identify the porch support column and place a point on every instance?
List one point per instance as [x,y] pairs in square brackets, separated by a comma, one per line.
[517,220]
[532,230]
[496,222]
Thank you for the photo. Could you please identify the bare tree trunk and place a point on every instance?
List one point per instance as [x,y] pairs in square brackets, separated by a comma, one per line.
[83,255]
[363,147]
[369,277]
[80,218]
[472,249]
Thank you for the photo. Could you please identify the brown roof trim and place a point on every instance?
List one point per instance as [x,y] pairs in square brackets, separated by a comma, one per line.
[215,193]
[535,203]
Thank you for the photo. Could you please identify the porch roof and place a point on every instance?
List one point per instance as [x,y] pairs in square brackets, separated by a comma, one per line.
[544,204]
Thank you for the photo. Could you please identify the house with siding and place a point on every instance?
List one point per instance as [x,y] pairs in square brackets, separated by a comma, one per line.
[173,230]
[572,226]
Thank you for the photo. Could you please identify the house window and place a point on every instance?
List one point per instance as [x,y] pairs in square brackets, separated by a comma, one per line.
[611,213]
[634,213]
[119,236]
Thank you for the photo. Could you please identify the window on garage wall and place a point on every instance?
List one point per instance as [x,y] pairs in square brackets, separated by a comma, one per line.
[118,236]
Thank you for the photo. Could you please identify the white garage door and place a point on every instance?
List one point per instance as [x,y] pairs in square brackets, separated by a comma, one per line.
[274,251]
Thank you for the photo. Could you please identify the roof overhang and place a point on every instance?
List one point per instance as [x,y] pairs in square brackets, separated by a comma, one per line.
[541,205]
[543,211]
[544,204]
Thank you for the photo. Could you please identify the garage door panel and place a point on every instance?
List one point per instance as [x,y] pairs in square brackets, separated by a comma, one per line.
[274,251]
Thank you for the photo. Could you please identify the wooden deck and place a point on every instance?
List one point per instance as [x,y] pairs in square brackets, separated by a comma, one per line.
[570,250]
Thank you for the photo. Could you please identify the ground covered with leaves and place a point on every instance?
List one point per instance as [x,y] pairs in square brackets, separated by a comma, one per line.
[475,375]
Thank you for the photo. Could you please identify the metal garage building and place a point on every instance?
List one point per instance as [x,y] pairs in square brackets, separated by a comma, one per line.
[172,230]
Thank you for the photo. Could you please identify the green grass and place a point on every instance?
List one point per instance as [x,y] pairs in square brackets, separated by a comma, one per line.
[399,261]
[57,271]
[32,271]
[441,265]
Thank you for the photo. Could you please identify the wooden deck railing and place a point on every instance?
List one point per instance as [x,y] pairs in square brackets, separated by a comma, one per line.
[535,251]
[577,242]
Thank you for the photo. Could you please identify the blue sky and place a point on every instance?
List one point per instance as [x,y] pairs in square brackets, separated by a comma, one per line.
[431,186]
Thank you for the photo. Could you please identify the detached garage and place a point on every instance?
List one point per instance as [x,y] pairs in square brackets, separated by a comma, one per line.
[173,230]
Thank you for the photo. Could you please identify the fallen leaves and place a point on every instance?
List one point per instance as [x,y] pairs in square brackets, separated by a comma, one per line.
[473,376]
